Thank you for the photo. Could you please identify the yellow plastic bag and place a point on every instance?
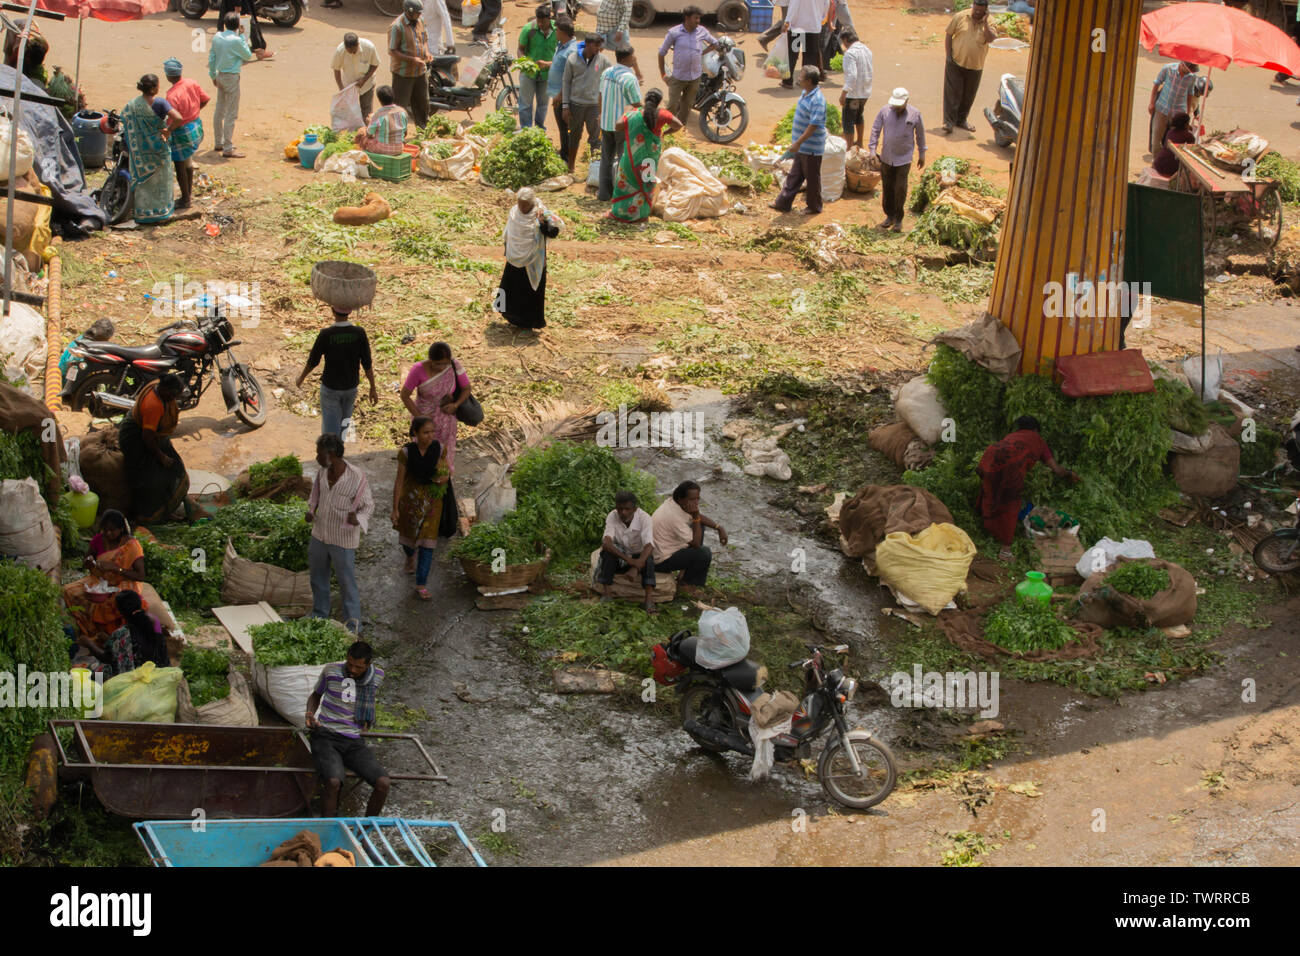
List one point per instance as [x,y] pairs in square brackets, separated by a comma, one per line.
[147,693]
[929,567]
[291,150]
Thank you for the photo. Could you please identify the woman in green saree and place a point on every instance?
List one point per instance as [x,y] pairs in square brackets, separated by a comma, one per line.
[149,120]
[643,131]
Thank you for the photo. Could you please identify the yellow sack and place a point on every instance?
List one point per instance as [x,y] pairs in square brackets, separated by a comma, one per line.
[147,693]
[928,567]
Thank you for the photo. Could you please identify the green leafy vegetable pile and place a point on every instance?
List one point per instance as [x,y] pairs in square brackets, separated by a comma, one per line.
[31,610]
[837,63]
[442,149]
[1011,25]
[528,66]
[1273,165]
[785,129]
[438,127]
[207,671]
[1138,579]
[525,158]
[929,186]
[975,392]
[342,143]
[495,124]
[564,493]
[308,640]
[324,134]
[20,457]
[1258,456]
[1026,626]
[263,474]
[944,226]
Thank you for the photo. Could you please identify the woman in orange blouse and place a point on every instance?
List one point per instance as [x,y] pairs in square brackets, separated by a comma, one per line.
[117,560]
[154,468]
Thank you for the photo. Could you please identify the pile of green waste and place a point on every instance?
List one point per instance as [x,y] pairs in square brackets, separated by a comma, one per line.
[1017,625]
[930,183]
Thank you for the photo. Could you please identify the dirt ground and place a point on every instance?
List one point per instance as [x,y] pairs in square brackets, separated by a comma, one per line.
[1184,774]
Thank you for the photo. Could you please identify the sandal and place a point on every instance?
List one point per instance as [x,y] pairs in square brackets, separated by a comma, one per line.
[422,593]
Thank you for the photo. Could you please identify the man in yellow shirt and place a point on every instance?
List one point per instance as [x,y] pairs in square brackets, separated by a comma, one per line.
[679,537]
[966,41]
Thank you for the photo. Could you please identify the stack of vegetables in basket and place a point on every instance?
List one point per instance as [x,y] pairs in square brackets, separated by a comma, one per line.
[288,657]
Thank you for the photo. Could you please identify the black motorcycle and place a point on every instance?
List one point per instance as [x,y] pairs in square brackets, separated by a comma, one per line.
[117,196]
[855,769]
[283,13]
[723,112]
[446,95]
[104,378]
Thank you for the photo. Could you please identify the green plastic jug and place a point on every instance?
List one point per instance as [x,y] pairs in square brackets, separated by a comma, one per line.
[1034,588]
[85,506]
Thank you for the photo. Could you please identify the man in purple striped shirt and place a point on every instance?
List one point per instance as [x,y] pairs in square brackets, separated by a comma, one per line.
[892,135]
[341,707]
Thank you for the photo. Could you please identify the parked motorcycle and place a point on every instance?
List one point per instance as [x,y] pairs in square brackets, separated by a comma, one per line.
[855,769]
[497,75]
[283,13]
[1005,115]
[117,196]
[104,378]
[446,95]
[723,112]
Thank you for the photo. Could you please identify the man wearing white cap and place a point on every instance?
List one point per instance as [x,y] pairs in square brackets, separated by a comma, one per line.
[897,127]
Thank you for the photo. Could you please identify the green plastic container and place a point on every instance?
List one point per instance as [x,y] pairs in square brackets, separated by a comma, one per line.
[395,169]
[1034,588]
[85,506]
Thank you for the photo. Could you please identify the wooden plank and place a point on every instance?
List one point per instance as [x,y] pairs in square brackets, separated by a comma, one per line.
[238,618]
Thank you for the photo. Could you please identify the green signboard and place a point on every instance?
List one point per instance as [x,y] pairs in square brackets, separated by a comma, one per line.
[1162,243]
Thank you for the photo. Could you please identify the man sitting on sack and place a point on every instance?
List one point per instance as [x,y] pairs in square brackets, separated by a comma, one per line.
[628,543]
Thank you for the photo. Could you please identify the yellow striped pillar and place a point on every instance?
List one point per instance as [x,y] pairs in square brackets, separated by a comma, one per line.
[1064,221]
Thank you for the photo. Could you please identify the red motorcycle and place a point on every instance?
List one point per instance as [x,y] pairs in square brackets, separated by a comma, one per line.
[104,378]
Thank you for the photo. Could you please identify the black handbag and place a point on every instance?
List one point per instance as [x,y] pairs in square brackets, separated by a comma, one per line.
[469,412]
[450,520]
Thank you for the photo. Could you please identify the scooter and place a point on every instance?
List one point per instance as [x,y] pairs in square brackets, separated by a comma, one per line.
[1005,115]
[855,769]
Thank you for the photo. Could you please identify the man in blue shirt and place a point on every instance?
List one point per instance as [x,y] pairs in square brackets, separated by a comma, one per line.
[618,90]
[339,709]
[807,146]
[555,78]
[229,52]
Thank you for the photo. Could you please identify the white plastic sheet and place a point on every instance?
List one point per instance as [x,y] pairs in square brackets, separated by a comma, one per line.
[724,638]
[1103,554]
[345,109]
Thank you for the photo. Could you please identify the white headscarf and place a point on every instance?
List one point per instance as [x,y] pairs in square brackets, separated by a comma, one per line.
[525,244]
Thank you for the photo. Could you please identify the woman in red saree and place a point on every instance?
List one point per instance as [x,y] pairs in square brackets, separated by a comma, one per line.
[1003,470]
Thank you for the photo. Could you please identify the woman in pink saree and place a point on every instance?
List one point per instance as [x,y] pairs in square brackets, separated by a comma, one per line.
[435,388]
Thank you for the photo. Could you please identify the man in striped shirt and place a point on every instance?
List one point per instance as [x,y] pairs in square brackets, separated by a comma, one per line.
[1173,88]
[339,709]
[618,91]
[408,48]
[386,133]
[807,146]
[339,509]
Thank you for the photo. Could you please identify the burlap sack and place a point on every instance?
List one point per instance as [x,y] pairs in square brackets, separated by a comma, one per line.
[458,166]
[20,412]
[1102,605]
[628,584]
[986,342]
[892,440]
[1213,473]
[966,630]
[247,582]
[104,468]
[237,709]
[878,510]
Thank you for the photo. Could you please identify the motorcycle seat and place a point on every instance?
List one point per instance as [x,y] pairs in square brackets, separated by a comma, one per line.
[446,60]
[742,675]
[464,91]
[124,351]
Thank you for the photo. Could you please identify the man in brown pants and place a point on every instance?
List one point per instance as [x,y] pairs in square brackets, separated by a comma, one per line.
[966,41]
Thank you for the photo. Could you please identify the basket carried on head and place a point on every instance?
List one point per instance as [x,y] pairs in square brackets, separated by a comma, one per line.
[515,576]
[343,285]
[861,180]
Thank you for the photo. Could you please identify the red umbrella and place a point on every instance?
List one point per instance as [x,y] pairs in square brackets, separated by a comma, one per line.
[112,11]
[1214,35]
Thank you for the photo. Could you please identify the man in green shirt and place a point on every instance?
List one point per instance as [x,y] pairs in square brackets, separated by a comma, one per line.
[537,41]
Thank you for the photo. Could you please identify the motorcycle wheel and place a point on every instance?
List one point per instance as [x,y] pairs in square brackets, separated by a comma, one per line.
[82,399]
[724,122]
[251,409]
[1279,552]
[287,18]
[116,198]
[846,788]
[193,9]
[701,702]
[508,100]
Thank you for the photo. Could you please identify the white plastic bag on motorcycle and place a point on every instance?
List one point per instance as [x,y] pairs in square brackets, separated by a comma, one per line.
[724,638]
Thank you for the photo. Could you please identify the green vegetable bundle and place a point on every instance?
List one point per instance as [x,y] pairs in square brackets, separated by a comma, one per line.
[528,66]
[1273,165]
[515,535]
[733,169]
[263,474]
[31,611]
[837,63]
[1026,626]
[785,129]
[438,127]
[324,134]
[495,124]
[1138,579]
[309,640]
[207,671]
[342,143]
[442,149]
[929,185]
[20,457]
[975,395]
[521,159]
[1011,25]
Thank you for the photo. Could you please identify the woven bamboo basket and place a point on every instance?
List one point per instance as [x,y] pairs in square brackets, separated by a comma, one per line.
[515,576]
[861,180]
[343,285]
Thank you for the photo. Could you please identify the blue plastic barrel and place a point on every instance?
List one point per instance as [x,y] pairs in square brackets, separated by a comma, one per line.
[91,143]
